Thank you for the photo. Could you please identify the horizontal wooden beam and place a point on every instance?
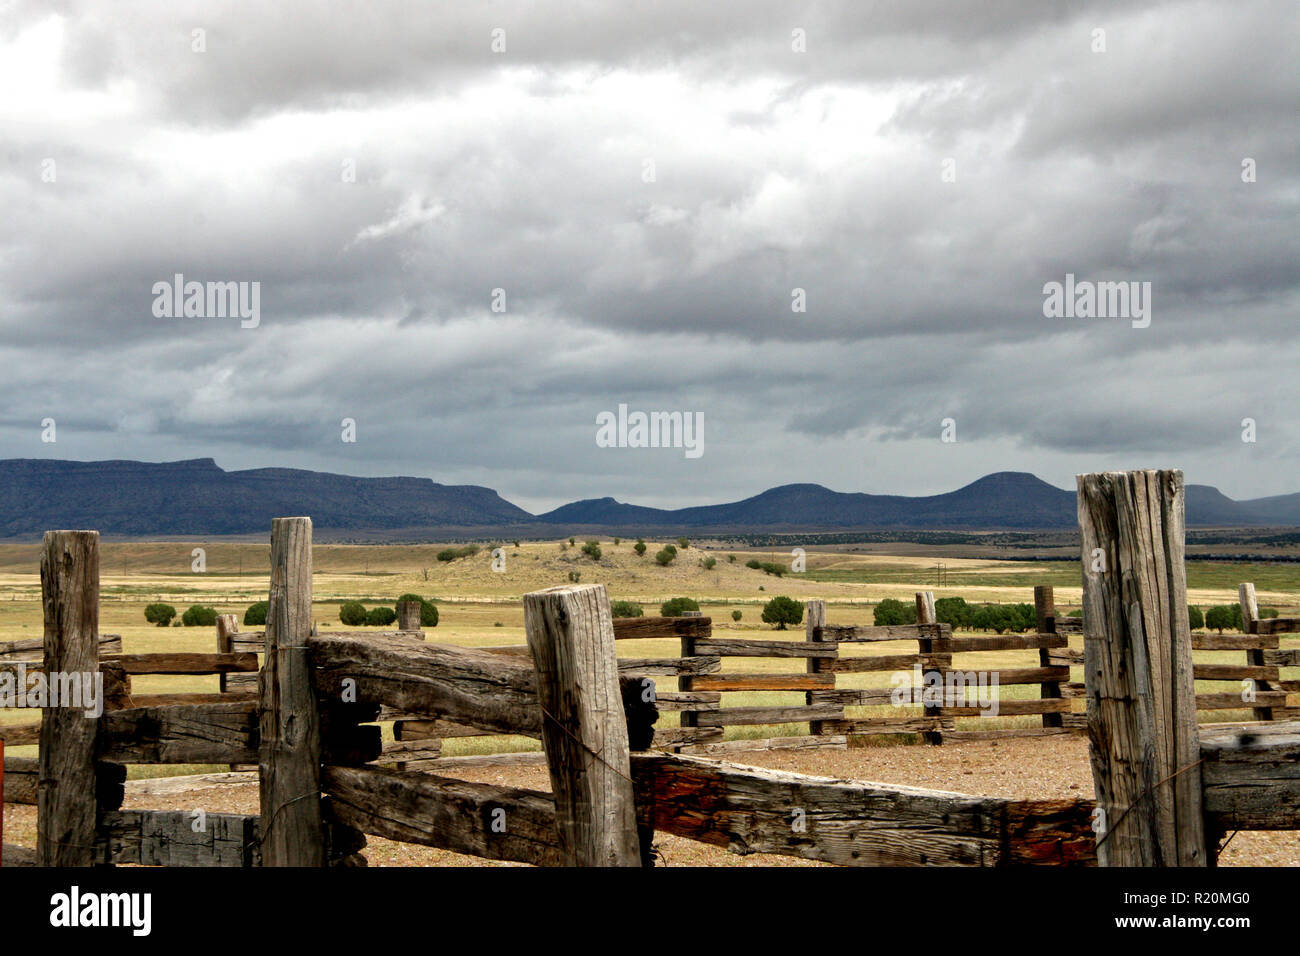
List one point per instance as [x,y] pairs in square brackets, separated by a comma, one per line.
[494,823]
[1233,701]
[1277,625]
[744,716]
[640,628]
[871,726]
[177,838]
[1012,708]
[1250,775]
[183,663]
[667,666]
[1001,642]
[749,810]
[729,647]
[469,687]
[194,733]
[21,735]
[890,662]
[738,682]
[33,648]
[881,632]
[21,774]
[1233,672]
[1207,641]
[1290,657]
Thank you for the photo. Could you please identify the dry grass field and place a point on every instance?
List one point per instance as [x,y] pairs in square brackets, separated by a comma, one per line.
[479,607]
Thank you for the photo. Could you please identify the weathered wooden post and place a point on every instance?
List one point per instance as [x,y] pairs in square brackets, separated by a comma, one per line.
[815,617]
[66,809]
[925,614]
[1045,613]
[571,638]
[1254,656]
[289,765]
[227,626]
[408,615]
[1138,670]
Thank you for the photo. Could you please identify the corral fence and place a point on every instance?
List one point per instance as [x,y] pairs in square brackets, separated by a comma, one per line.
[1168,790]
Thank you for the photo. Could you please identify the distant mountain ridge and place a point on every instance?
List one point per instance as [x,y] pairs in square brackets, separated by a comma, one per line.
[134,498]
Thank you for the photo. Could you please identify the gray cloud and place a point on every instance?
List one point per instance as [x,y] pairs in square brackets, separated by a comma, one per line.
[774,170]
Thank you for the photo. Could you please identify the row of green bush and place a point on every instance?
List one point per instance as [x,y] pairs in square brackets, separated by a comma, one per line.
[203,616]
[781,611]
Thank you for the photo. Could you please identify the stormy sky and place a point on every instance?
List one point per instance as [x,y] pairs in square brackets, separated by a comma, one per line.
[648,184]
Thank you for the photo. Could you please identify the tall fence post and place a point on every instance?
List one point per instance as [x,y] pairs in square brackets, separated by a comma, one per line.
[1144,743]
[408,615]
[925,614]
[571,638]
[1250,625]
[66,808]
[816,618]
[227,626]
[1045,614]
[289,764]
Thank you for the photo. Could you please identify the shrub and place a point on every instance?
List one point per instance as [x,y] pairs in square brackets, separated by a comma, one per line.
[709,563]
[571,542]
[639,547]
[1219,618]
[892,611]
[617,542]
[199,616]
[451,554]
[683,543]
[1195,619]
[352,613]
[954,611]
[625,609]
[781,611]
[736,615]
[592,550]
[770,567]
[159,614]
[428,610]
[678,606]
[575,576]
[256,615]
[731,559]
[753,563]
[665,557]
[381,615]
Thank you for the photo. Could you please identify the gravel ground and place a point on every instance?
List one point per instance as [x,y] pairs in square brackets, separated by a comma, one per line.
[1022,768]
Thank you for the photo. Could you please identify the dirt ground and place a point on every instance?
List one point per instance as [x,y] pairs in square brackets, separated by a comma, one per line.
[1020,768]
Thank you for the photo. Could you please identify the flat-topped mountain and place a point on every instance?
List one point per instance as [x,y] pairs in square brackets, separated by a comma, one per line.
[198,497]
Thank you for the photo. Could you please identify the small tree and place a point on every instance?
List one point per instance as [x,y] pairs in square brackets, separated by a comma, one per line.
[753,563]
[736,615]
[731,559]
[665,557]
[159,614]
[683,543]
[617,542]
[1218,618]
[954,611]
[352,613]
[592,550]
[676,607]
[199,616]
[892,611]
[709,563]
[381,615]
[256,614]
[782,611]
[639,547]
[571,542]
[1195,619]
[625,609]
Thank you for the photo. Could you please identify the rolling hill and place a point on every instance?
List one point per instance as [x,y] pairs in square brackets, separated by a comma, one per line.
[143,499]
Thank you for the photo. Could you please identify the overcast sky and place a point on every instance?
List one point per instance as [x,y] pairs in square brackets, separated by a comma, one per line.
[648,182]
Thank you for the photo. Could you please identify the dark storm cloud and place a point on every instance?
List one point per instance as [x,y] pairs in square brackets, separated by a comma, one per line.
[773,171]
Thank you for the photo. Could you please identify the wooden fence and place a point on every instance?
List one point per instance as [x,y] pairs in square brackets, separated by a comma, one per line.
[311,732]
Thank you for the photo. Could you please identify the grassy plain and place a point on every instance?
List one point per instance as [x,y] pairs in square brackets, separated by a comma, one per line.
[479,606]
